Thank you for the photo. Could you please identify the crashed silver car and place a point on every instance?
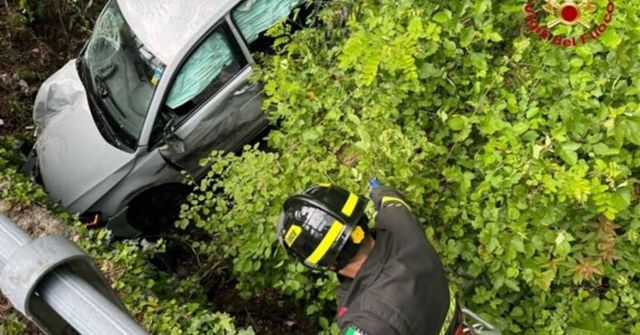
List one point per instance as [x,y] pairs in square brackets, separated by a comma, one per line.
[159,85]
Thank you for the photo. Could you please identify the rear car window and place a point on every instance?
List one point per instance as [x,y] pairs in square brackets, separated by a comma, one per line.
[253,17]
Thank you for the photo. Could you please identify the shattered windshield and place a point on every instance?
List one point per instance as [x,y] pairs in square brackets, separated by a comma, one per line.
[123,75]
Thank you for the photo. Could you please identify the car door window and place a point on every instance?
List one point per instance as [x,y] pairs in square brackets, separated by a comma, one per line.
[210,67]
[253,17]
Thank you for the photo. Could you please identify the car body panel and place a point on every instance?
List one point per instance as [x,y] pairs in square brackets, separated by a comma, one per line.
[227,119]
[150,171]
[73,156]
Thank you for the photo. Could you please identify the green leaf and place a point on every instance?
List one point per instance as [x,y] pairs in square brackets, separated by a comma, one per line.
[442,16]
[621,200]
[467,37]
[495,37]
[611,39]
[310,135]
[365,138]
[567,152]
[607,307]
[457,123]
[602,149]
[631,130]
[563,249]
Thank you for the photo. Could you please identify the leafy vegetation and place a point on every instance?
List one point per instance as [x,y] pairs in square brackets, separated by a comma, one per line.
[520,157]
[161,302]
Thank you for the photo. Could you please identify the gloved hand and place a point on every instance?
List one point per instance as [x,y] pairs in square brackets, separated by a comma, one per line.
[377,191]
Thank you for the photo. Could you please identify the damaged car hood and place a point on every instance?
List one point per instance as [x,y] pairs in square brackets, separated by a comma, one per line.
[76,163]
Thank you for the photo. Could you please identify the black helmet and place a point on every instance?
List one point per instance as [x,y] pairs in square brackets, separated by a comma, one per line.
[323,226]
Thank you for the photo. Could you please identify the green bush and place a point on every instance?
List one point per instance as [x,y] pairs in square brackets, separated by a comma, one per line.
[519,156]
[161,302]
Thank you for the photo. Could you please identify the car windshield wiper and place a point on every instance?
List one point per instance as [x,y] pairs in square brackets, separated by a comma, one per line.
[104,127]
[124,136]
[105,94]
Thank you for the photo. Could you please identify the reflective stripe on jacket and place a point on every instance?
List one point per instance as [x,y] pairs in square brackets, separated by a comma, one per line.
[401,288]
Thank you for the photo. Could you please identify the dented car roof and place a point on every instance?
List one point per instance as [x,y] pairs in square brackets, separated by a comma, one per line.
[166,26]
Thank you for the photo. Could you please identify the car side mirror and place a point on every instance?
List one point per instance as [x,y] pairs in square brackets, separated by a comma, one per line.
[171,139]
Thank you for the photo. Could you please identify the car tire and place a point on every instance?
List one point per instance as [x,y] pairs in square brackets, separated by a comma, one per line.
[155,211]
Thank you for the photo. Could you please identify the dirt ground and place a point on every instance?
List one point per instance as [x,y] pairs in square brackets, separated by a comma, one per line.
[29,54]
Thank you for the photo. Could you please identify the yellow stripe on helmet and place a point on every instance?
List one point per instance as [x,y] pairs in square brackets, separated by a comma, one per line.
[326,243]
[350,205]
[292,235]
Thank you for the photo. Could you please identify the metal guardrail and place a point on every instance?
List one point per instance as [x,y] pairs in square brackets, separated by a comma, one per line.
[475,325]
[57,286]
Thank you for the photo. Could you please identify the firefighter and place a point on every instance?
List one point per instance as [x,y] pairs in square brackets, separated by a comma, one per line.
[392,281]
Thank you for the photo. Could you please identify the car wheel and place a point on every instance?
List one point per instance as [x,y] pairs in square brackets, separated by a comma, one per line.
[155,211]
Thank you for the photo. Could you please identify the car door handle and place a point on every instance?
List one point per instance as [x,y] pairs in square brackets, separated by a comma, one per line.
[243,90]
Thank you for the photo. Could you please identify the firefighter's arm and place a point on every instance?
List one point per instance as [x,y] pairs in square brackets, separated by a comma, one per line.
[394,212]
[366,324]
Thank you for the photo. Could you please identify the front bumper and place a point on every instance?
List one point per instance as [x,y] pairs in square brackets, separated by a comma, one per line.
[117,224]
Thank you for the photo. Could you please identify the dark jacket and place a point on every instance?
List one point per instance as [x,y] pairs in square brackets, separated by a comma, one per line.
[401,288]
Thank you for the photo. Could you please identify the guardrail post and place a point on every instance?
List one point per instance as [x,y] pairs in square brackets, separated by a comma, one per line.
[57,286]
